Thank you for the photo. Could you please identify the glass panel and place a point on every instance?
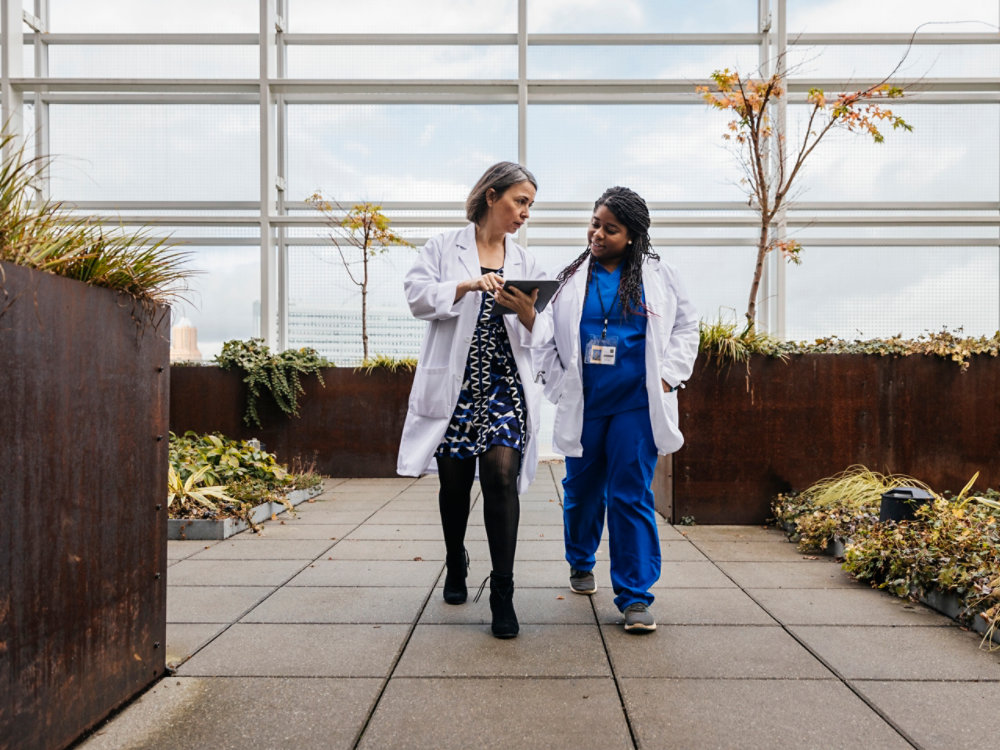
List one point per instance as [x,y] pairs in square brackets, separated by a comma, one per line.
[857,16]
[223,301]
[951,155]
[155,152]
[410,61]
[869,292]
[176,16]
[849,62]
[663,152]
[153,61]
[396,152]
[644,16]
[694,62]
[403,17]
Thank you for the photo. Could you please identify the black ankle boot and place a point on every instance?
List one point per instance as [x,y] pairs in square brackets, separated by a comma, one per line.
[455,591]
[502,606]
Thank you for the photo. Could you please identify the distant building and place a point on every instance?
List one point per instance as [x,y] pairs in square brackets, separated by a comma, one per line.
[184,342]
[336,333]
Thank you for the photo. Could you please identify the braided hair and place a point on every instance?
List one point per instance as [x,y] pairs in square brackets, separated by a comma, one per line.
[631,210]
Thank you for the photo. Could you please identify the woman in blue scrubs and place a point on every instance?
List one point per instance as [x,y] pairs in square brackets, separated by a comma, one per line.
[625,341]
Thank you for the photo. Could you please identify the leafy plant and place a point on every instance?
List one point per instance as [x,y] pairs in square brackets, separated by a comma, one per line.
[365,228]
[45,235]
[757,144]
[721,342]
[277,374]
[242,476]
[384,362]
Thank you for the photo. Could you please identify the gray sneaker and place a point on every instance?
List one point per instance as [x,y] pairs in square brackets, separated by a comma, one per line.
[638,618]
[582,581]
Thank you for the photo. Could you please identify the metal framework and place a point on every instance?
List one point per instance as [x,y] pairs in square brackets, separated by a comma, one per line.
[272,91]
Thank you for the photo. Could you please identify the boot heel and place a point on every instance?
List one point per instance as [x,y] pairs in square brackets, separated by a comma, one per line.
[505,623]
[455,591]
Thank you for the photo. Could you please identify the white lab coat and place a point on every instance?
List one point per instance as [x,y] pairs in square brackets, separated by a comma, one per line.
[671,348]
[430,287]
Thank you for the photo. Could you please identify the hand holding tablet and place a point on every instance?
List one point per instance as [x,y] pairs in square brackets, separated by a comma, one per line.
[546,288]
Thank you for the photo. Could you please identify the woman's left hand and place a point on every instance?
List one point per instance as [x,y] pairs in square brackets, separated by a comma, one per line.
[521,303]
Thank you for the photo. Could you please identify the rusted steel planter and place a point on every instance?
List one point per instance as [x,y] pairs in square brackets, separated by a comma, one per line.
[83,466]
[351,428]
[790,423]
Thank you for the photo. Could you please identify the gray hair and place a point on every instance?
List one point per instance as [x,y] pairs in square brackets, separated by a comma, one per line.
[499,177]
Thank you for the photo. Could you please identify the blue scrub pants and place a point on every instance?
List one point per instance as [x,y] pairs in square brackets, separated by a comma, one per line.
[615,474]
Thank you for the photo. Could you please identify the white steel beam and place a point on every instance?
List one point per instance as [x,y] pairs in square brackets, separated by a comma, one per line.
[268,174]
[11,69]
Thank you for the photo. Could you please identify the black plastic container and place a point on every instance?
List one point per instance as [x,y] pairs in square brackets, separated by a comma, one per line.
[901,503]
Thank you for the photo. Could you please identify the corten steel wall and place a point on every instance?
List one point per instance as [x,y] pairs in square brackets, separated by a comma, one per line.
[790,424]
[351,427]
[82,496]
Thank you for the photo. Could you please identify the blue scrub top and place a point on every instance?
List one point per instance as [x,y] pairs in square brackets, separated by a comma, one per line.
[611,389]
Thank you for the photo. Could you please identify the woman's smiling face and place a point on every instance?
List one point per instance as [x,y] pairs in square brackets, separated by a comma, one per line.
[608,238]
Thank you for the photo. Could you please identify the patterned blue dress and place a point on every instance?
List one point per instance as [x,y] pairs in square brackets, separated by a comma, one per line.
[490,409]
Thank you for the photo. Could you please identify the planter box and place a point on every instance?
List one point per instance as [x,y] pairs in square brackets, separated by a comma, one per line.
[791,423]
[223,528]
[950,605]
[83,466]
[351,428]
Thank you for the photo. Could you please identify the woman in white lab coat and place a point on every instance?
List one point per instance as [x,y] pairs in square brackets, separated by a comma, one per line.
[625,340]
[473,399]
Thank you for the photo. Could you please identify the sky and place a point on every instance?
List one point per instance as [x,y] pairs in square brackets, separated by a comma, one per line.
[435,152]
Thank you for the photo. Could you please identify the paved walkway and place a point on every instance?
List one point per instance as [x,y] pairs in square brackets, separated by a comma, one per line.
[329,631]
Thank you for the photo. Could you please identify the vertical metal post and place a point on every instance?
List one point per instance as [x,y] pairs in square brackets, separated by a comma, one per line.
[11,66]
[282,176]
[522,94]
[41,53]
[268,175]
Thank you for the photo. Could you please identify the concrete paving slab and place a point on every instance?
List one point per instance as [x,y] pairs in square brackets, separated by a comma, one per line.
[512,713]
[300,528]
[411,502]
[391,532]
[471,651]
[533,606]
[327,515]
[212,603]
[714,714]
[305,714]
[335,604]
[369,573]
[753,551]
[232,572]
[532,531]
[179,549]
[941,715]
[183,639]
[723,651]
[732,534]
[375,549]
[857,606]
[824,573]
[881,653]
[688,575]
[691,607]
[544,573]
[669,533]
[287,650]
[256,548]
[406,517]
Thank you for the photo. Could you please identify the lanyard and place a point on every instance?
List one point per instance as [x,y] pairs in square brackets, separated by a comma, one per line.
[604,313]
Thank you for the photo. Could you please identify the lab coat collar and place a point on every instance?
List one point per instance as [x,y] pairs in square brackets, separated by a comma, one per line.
[468,253]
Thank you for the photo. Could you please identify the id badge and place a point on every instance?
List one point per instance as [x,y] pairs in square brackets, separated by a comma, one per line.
[602,351]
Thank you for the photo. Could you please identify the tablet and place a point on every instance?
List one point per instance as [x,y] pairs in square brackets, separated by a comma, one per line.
[546,288]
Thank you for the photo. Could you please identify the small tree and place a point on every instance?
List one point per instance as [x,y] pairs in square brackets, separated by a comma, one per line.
[751,101]
[365,228]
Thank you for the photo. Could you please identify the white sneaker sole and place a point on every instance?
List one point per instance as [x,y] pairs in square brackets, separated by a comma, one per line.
[640,627]
[587,592]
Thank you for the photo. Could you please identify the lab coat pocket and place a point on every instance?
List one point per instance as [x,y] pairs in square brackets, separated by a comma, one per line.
[431,395]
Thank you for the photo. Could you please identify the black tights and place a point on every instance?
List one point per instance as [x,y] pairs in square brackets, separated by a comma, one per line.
[498,470]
